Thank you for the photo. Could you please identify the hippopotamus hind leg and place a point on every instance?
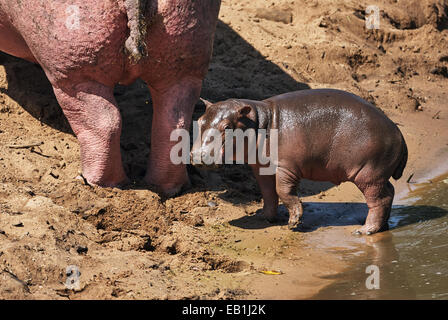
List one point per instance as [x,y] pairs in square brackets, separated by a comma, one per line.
[379,199]
[172,109]
[93,114]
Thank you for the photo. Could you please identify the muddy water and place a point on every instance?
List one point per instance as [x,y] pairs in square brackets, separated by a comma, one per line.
[412,258]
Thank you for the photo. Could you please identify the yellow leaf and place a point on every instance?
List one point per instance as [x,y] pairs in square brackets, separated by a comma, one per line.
[271,272]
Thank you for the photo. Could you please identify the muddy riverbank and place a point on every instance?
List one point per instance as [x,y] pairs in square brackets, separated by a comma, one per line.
[209,242]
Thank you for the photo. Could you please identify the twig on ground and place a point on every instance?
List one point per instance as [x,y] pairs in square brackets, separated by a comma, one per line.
[24,146]
[436,116]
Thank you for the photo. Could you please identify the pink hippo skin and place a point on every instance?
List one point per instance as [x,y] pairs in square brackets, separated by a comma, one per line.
[80,46]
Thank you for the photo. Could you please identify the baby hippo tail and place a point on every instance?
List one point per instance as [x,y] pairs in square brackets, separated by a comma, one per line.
[404,159]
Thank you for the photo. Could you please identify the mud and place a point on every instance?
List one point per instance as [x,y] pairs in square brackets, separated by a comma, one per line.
[209,242]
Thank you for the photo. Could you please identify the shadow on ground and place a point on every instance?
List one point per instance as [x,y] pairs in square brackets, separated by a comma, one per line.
[327,214]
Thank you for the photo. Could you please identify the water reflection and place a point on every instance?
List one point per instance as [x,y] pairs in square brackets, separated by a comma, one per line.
[412,257]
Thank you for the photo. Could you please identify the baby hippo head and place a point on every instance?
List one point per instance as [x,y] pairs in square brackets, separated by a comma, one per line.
[221,120]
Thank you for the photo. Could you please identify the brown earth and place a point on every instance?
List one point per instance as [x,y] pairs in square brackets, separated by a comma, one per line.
[209,242]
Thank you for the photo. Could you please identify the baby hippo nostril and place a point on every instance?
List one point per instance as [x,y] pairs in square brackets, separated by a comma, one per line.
[196,157]
[202,157]
[193,157]
[209,158]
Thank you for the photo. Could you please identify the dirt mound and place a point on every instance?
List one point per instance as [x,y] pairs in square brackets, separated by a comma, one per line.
[415,14]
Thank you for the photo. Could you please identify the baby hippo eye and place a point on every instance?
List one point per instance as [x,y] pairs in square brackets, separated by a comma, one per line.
[226,125]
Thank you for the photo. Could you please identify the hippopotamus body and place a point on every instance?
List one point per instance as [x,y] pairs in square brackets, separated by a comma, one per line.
[86,47]
[323,135]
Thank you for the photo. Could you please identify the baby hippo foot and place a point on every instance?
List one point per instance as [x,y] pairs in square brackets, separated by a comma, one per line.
[270,214]
[295,216]
[369,229]
[294,221]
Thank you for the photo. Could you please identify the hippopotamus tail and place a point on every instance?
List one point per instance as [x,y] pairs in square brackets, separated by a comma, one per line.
[135,44]
[404,159]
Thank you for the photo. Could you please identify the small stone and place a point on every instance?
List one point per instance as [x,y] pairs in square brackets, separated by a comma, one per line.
[274,14]
[82,250]
[211,204]
[169,245]
[197,221]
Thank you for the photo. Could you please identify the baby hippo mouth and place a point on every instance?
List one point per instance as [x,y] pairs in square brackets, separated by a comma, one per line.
[205,159]
[212,166]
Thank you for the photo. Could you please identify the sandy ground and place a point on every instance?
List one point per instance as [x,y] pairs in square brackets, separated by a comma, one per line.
[209,242]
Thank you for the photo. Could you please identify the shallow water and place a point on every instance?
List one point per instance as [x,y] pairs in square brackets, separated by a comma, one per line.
[412,257]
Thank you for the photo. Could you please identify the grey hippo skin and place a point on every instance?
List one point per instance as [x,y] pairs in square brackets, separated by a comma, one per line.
[323,135]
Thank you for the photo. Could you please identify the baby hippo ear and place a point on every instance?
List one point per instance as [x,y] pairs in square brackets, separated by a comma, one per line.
[206,102]
[244,110]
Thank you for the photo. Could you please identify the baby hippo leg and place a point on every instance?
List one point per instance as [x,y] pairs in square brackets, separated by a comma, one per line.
[269,193]
[379,199]
[286,185]
[93,114]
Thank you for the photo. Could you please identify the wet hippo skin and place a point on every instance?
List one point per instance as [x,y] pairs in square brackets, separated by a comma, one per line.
[323,135]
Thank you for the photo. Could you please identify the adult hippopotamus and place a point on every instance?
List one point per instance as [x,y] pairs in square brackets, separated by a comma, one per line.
[86,47]
[323,135]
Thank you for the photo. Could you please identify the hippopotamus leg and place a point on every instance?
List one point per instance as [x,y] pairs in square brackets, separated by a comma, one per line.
[93,114]
[270,197]
[379,197]
[286,186]
[135,44]
[173,106]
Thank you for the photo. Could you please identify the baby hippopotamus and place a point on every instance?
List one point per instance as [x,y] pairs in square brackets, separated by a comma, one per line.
[323,135]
